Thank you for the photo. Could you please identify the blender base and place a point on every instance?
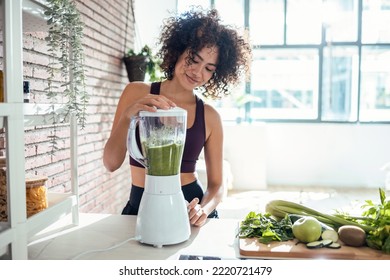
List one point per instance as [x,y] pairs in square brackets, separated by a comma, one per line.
[163,216]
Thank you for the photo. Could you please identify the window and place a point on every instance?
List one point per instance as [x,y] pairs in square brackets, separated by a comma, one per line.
[313,60]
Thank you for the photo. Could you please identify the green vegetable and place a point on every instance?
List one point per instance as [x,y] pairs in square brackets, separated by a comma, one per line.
[330,234]
[375,220]
[265,228]
[315,245]
[281,208]
[376,216]
[334,245]
[320,244]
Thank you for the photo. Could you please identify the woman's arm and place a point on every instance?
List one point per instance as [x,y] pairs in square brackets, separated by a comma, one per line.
[135,97]
[213,152]
[115,149]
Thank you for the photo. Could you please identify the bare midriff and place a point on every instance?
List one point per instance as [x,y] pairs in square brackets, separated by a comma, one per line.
[138,176]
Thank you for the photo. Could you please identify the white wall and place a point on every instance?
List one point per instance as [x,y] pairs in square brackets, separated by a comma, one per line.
[149,16]
[245,150]
[326,155]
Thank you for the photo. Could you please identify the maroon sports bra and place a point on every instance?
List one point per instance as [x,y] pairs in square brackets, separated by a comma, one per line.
[195,137]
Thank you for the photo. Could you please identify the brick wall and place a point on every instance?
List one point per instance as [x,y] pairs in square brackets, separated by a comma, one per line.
[104,39]
[100,191]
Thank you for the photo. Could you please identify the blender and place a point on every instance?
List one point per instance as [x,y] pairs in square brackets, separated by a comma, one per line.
[162,216]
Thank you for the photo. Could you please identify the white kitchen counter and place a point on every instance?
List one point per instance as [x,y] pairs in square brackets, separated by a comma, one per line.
[217,238]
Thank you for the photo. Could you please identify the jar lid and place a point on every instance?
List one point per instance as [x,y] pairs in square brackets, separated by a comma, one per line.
[172,112]
[35,181]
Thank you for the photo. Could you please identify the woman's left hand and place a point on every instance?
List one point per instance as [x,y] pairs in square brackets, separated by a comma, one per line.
[196,213]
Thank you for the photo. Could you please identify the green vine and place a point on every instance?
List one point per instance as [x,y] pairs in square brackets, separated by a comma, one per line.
[65,47]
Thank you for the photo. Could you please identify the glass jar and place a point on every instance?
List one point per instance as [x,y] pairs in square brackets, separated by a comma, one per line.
[36,195]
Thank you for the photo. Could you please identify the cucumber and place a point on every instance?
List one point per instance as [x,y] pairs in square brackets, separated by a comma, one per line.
[294,217]
[334,245]
[327,242]
[325,226]
[315,244]
[321,243]
[330,234]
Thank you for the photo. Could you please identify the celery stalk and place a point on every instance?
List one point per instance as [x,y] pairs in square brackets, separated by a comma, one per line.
[280,208]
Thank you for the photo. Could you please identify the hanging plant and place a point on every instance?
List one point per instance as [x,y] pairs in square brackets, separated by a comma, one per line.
[141,63]
[65,47]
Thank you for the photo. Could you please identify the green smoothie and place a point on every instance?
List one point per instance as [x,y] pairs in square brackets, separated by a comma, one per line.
[164,160]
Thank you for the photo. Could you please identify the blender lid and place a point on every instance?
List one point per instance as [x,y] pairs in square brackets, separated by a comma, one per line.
[173,112]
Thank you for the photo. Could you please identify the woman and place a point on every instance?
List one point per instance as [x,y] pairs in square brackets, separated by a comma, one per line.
[198,53]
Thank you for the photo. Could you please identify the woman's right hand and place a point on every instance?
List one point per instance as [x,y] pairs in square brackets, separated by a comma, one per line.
[135,98]
[150,103]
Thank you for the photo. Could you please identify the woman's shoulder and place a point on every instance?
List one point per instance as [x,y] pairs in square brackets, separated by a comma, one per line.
[138,86]
[211,114]
[210,108]
[135,90]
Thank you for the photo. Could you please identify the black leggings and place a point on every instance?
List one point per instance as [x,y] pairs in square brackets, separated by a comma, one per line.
[190,191]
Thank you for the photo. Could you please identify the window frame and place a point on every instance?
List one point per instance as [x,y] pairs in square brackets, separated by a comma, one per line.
[320,48]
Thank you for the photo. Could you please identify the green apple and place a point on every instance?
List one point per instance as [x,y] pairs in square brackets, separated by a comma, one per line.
[307,229]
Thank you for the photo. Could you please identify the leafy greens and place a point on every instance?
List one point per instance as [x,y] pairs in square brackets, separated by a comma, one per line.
[265,228]
[378,217]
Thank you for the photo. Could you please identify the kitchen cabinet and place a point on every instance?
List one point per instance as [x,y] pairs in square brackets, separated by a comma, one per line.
[18,16]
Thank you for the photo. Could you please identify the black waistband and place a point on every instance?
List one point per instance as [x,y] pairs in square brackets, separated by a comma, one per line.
[190,191]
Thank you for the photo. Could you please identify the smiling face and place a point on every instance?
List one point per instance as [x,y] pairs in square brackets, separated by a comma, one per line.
[196,71]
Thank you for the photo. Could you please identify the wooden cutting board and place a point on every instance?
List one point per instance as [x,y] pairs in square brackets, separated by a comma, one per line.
[250,247]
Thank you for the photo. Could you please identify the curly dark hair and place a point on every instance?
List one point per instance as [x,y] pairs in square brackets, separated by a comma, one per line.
[196,29]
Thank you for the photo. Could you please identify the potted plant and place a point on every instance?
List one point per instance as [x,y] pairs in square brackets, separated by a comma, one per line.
[65,48]
[138,64]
